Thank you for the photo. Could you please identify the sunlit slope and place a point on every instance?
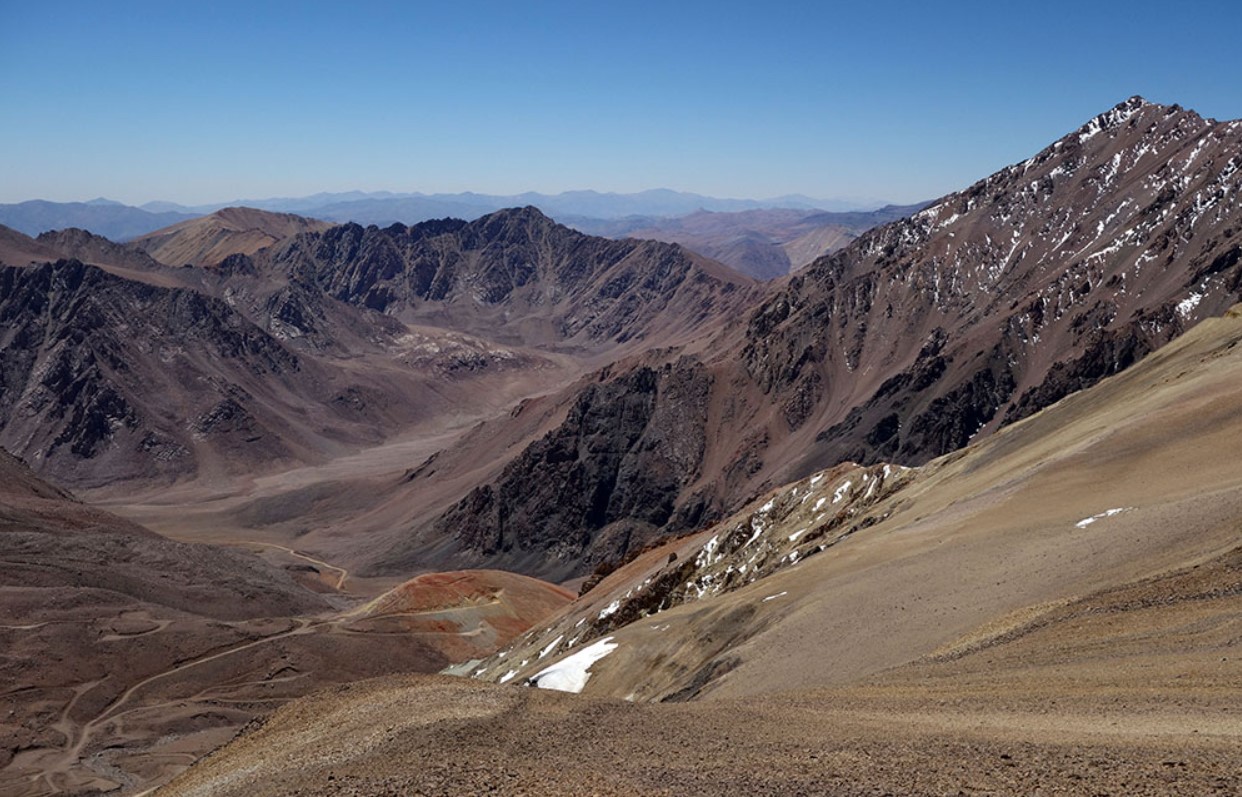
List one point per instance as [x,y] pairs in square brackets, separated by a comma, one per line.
[1132,479]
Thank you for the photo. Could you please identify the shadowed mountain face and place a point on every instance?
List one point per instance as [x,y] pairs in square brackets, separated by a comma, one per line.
[921,336]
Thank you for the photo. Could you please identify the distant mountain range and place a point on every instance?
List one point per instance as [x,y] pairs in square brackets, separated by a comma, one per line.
[763,243]
[761,238]
[101,216]
[121,222]
[386,207]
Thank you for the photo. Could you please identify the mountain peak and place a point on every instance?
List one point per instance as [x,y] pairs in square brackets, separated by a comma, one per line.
[507,222]
[527,213]
[208,240]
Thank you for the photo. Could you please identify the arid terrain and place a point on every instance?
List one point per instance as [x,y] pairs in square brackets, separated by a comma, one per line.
[953,509]
[1013,619]
[127,656]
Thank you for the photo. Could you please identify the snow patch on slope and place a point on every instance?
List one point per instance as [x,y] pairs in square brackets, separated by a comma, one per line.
[571,673]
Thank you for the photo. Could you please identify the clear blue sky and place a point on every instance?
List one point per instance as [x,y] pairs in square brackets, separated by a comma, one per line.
[199,102]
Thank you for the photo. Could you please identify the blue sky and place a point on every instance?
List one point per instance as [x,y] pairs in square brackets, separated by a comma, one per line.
[899,101]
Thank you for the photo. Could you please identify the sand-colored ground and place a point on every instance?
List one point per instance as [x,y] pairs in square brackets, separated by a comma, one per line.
[1131,691]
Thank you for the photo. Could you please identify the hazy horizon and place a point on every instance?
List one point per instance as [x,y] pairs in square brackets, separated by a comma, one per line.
[861,202]
[201,105]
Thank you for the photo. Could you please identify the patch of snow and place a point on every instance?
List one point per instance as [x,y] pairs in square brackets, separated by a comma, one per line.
[1087,521]
[774,597]
[551,647]
[610,609]
[571,673]
[794,537]
[1187,305]
[705,555]
[840,492]
[508,676]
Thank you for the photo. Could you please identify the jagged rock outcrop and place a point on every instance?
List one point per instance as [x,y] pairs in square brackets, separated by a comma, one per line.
[516,276]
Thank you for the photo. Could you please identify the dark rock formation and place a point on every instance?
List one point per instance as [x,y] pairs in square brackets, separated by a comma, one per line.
[602,482]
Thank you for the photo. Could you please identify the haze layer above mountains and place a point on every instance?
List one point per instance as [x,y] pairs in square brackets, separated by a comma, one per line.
[363,405]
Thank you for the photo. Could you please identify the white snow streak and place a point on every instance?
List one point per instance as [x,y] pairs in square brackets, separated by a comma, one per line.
[1087,521]
[571,673]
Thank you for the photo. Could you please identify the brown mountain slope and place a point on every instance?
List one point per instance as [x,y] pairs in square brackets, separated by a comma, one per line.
[469,613]
[916,339]
[17,249]
[208,240]
[127,655]
[1054,609]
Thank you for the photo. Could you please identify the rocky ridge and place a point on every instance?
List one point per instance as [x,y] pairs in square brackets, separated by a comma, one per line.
[792,525]
[513,276]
